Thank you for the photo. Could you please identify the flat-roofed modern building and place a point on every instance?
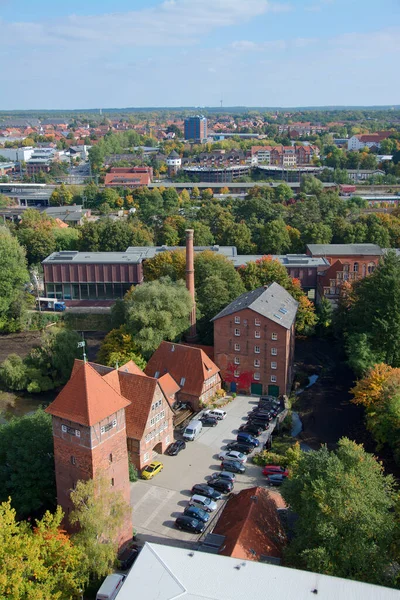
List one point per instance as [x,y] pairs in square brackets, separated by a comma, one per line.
[196,128]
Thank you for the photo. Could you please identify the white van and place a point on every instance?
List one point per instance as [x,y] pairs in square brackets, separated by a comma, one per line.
[217,413]
[193,430]
[110,587]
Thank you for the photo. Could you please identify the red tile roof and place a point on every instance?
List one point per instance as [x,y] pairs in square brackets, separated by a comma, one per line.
[251,525]
[188,365]
[131,367]
[168,385]
[140,391]
[87,398]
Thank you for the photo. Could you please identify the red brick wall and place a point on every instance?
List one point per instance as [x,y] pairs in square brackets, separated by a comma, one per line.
[225,353]
[93,273]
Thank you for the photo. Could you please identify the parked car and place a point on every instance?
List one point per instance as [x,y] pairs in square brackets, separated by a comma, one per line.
[235,466]
[174,448]
[152,469]
[203,502]
[245,437]
[243,448]
[217,413]
[259,414]
[275,470]
[206,490]
[196,513]
[190,524]
[251,428]
[262,424]
[128,557]
[222,485]
[209,421]
[223,475]
[276,479]
[232,455]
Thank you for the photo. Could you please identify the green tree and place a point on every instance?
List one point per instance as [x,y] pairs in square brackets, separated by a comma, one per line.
[67,238]
[118,347]
[239,235]
[317,233]
[39,562]
[61,196]
[202,234]
[38,243]
[157,311]
[275,238]
[341,497]
[311,185]
[13,274]
[27,469]
[100,512]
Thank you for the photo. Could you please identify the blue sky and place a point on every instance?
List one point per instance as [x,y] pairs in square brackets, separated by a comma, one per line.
[93,53]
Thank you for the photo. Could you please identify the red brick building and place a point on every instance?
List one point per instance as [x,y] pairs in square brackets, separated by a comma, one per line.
[254,341]
[196,375]
[130,177]
[348,263]
[89,432]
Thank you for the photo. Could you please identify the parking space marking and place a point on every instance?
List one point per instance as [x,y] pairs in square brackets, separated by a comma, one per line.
[167,498]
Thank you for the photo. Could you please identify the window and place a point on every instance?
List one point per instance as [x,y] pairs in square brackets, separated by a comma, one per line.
[257,322]
[237,360]
[273,378]
[167,439]
[73,460]
[355,267]
[182,382]
[152,421]
[257,376]
[274,365]
[146,456]
[257,334]
[236,373]
[274,336]
[110,457]
[112,481]
[274,351]
[237,332]
[371,267]
[257,349]
[237,319]
[256,362]
[237,347]
[156,374]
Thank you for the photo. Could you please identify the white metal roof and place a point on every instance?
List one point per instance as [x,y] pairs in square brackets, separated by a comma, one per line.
[167,573]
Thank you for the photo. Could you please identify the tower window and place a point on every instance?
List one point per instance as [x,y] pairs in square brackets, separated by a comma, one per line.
[110,457]
[73,460]
[112,481]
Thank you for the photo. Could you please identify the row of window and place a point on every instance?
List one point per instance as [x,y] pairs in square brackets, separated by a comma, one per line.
[257,334]
[109,426]
[87,291]
[156,404]
[150,436]
[157,417]
[257,322]
[256,362]
[256,376]
[73,459]
[146,455]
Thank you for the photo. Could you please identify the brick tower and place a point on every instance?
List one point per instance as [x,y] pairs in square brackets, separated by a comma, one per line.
[89,435]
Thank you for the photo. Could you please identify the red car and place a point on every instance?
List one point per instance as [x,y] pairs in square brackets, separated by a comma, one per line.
[275,470]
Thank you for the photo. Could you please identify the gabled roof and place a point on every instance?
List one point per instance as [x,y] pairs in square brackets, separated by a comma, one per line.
[273,302]
[251,526]
[131,367]
[87,398]
[189,366]
[345,249]
[140,391]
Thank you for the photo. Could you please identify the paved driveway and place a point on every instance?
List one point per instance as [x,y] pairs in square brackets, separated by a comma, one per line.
[157,503]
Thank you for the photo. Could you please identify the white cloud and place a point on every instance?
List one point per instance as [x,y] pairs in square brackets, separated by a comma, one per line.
[318,6]
[172,23]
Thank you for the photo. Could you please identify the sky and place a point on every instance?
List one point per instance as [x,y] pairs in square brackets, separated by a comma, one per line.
[149,53]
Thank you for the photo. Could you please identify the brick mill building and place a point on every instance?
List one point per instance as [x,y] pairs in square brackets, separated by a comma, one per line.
[254,341]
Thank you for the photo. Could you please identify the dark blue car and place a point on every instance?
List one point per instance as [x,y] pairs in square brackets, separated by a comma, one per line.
[196,513]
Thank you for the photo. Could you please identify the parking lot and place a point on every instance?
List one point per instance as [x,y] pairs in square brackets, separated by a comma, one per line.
[156,503]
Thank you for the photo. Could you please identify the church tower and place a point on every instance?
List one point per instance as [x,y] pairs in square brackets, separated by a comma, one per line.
[89,435]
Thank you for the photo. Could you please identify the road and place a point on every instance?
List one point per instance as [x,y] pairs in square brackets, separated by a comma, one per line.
[157,503]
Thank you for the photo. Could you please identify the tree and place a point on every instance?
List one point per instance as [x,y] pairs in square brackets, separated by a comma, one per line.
[100,512]
[61,196]
[118,347]
[38,243]
[317,233]
[67,238]
[170,264]
[157,311]
[27,469]
[239,235]
[39,562]
[195,193]
[275,237]
[341,497]
[202,234]
[311,185]
[13,274]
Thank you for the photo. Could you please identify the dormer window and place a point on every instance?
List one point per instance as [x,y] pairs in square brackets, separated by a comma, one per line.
[182,382]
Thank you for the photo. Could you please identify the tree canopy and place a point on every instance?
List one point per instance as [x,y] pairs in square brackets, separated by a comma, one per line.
[118,347]
[13,275]
[346,525]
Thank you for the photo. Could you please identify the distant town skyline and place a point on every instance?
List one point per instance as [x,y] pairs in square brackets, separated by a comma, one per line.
[188,53]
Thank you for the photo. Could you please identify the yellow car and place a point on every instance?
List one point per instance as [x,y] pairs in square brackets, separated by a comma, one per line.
[151,470]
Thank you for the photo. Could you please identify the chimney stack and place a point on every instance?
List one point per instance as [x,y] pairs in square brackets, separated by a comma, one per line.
[190,281]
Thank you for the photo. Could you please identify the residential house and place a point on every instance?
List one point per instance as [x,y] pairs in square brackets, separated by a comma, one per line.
[356,142]
[254,341]
[190,368]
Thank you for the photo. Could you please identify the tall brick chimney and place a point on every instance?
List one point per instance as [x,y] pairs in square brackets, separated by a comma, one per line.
[190,282]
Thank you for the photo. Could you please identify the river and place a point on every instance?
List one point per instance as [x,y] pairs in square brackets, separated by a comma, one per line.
[19,404]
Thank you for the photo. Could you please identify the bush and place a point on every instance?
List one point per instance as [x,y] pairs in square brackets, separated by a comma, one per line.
[265,458]
[133,473]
